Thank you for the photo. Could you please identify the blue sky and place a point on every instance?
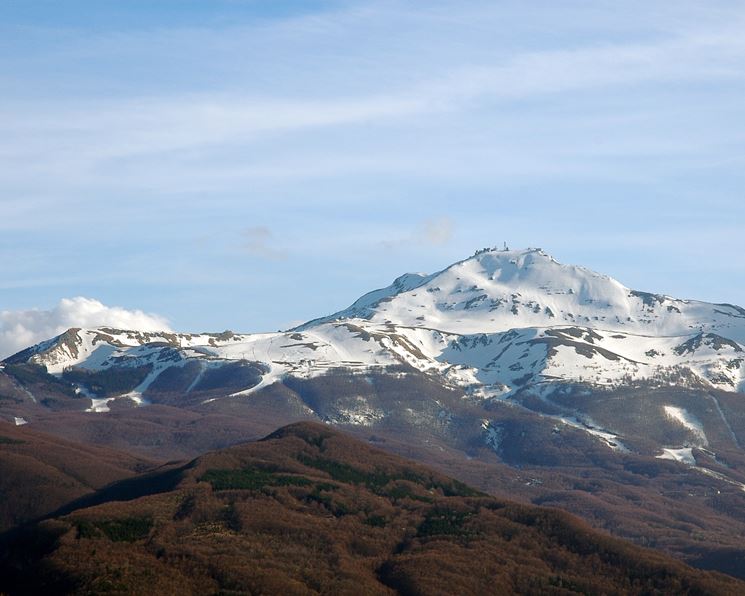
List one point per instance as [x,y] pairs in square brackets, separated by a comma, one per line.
[246,165]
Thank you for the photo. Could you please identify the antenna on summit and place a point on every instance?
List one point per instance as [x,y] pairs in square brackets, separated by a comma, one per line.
[506,248]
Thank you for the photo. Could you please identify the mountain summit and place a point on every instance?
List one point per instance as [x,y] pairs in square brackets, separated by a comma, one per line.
[498,290]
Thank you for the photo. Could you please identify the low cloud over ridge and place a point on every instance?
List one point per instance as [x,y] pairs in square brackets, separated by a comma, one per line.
[20,329]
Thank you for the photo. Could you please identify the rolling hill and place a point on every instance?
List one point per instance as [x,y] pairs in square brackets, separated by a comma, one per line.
[309,510]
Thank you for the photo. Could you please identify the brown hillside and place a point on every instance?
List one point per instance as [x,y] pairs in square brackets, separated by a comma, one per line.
[309,510]
[39,472]
[668,506]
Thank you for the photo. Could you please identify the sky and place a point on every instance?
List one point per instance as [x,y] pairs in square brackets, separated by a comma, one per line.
[249,165]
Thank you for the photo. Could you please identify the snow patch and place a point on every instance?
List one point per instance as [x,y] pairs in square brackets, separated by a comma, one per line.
[686,419]
[609,438]
[683,455]
[493,435]
[359,413]
[100,405]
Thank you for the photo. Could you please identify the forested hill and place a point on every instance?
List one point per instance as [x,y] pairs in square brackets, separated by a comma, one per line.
[309,510]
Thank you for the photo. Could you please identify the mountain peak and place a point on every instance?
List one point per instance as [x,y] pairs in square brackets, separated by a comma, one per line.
[516,265]
[499,288]
[506,251]
[528,259]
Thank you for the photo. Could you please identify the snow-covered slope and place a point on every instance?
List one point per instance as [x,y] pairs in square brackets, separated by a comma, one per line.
[517,317]
[494,323]
[497,290]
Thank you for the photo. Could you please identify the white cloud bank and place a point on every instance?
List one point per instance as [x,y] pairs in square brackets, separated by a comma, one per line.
[20,329]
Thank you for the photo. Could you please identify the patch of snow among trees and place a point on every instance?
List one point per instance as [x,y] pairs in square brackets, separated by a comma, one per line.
[683,455]
[685,418]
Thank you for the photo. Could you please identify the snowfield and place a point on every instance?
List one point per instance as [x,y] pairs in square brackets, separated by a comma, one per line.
[494,323]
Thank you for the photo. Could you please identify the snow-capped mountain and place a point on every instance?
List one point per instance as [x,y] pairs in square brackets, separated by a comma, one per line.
[497,322]
[498,290]
[506,357]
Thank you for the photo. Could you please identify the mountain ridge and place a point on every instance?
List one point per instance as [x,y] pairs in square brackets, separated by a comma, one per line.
[419,320]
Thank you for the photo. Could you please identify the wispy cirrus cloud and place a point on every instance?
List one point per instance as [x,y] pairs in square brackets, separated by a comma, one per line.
[75,138]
